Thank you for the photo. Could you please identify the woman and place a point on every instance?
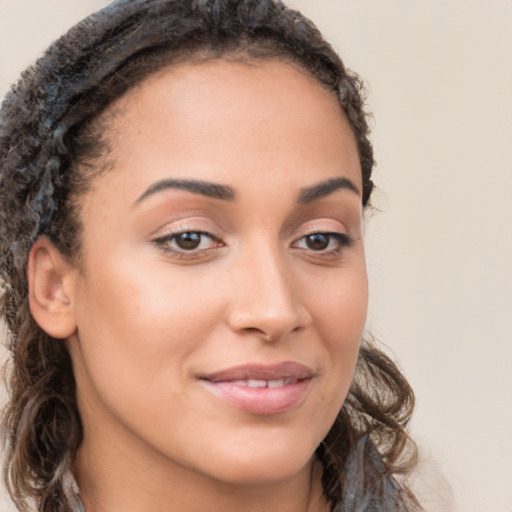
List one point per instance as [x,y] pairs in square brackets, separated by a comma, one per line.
[182,193]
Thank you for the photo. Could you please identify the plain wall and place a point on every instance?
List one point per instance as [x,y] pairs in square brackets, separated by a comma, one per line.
[440,248]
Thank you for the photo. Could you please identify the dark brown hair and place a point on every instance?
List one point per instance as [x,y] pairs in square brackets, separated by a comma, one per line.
[51,126]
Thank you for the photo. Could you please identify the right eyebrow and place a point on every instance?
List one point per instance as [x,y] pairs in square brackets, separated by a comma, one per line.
[204,188]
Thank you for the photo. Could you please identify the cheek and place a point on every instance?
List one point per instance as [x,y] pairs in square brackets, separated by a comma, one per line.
[139,325]
[339,313]
[340,305]
[145,294]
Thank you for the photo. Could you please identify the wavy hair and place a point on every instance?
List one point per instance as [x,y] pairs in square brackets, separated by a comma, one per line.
[51,144]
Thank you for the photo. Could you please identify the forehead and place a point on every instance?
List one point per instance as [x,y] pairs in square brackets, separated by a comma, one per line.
[225,120]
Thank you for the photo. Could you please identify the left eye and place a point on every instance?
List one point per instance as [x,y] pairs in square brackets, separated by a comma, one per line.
[322,242]
[187,241]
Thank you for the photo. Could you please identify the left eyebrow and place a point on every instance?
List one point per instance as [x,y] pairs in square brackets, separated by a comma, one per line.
[314,192]
[203,188]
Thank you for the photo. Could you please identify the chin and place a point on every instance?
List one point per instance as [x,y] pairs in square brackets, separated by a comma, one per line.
[265,466]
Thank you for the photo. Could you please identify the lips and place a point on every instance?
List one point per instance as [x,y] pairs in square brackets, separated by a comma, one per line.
[260,389]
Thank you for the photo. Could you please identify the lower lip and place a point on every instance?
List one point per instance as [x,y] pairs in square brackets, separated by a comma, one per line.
[261,401]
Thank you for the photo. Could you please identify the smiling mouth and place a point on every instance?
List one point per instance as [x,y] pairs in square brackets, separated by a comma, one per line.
[261,390]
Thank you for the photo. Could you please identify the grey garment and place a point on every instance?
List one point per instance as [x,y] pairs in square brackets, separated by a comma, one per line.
[364,464]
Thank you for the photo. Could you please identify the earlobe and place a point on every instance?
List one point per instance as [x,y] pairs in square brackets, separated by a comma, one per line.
[51,283]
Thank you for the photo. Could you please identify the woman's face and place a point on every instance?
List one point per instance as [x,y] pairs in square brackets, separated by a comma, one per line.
[223,292]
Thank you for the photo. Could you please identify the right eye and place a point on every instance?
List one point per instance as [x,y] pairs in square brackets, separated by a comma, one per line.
[187,242]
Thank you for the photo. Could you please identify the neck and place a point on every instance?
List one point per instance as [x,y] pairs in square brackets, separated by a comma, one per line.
[111,481]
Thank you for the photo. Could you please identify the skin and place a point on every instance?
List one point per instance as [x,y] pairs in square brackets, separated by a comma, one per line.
[144,319]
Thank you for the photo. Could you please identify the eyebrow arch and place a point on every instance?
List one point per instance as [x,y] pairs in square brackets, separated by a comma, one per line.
[204,188]
[314,192]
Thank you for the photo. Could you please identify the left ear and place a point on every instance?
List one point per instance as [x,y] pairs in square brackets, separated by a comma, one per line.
[52,285]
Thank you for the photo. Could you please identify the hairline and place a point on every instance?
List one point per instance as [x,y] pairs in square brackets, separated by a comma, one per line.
[104,121]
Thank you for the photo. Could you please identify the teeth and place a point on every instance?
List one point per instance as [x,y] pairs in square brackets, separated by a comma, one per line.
[257,383]
[275,383]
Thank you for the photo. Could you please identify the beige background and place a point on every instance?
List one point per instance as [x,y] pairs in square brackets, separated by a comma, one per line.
[441,248]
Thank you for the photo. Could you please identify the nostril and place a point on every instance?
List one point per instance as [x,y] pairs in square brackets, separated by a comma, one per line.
[259,332]
[268,336]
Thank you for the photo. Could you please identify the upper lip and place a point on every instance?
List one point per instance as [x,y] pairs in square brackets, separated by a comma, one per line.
[286,370]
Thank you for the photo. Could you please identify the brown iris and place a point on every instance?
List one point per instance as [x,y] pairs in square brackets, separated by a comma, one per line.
[317,241]
[188,241]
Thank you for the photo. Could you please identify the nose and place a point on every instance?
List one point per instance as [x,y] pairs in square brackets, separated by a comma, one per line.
[265,301]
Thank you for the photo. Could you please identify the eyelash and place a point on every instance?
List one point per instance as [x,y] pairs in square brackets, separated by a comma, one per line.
[343,241]
[164,242]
